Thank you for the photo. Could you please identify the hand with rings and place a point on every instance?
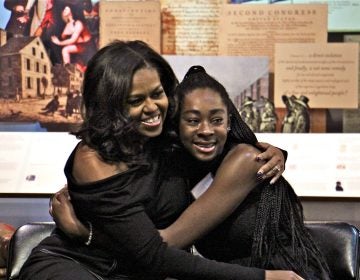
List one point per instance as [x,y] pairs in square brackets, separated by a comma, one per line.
[274,159]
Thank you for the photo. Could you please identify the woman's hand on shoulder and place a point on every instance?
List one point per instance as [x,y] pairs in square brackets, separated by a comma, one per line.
[234,179]
[274,159]
[62,211]
[281,275]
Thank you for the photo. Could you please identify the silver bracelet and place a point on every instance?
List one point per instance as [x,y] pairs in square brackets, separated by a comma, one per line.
[88,242]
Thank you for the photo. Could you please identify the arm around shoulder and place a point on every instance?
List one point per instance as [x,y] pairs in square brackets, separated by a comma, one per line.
[234,179]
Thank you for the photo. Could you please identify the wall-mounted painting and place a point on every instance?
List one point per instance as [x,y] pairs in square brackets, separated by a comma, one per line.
[44,49]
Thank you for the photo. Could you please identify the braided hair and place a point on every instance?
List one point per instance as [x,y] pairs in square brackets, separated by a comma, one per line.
[279,226]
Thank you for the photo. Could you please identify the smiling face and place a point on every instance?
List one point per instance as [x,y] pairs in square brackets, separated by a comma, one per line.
[203,124]
[147,102]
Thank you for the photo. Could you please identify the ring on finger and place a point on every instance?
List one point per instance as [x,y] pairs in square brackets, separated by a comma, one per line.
[276,169]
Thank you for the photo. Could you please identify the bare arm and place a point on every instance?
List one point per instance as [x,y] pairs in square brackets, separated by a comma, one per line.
[281,274]
[235,178]
[74,36]
[29,5]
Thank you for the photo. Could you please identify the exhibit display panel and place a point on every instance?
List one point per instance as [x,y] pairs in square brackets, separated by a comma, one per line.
[33,162]
[342,14]
[324,165]
[320,164]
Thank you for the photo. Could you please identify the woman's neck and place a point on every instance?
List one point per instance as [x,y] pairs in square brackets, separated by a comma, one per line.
[196,169]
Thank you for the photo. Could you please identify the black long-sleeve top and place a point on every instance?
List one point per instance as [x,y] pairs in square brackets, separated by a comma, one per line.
[129,208]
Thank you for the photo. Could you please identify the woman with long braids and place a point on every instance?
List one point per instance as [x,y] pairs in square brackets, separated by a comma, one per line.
[267,229]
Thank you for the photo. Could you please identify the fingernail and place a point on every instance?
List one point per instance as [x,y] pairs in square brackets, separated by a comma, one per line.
[259,175]
[258,159]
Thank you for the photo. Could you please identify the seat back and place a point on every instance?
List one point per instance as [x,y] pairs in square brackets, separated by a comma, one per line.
[339,242]
[24,239]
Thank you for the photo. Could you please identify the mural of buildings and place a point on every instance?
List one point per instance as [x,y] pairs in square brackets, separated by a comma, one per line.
[25,69]
[27,72]
[66,78]
[29,81]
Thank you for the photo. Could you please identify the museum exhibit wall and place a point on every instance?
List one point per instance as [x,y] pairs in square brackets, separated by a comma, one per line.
[291,67]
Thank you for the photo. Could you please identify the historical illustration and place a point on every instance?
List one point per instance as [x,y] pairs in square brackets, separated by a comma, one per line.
[44,49]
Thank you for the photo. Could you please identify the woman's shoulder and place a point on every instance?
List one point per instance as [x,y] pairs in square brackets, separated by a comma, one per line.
[240,159]
[78,23]
[242,150]
[89,166]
